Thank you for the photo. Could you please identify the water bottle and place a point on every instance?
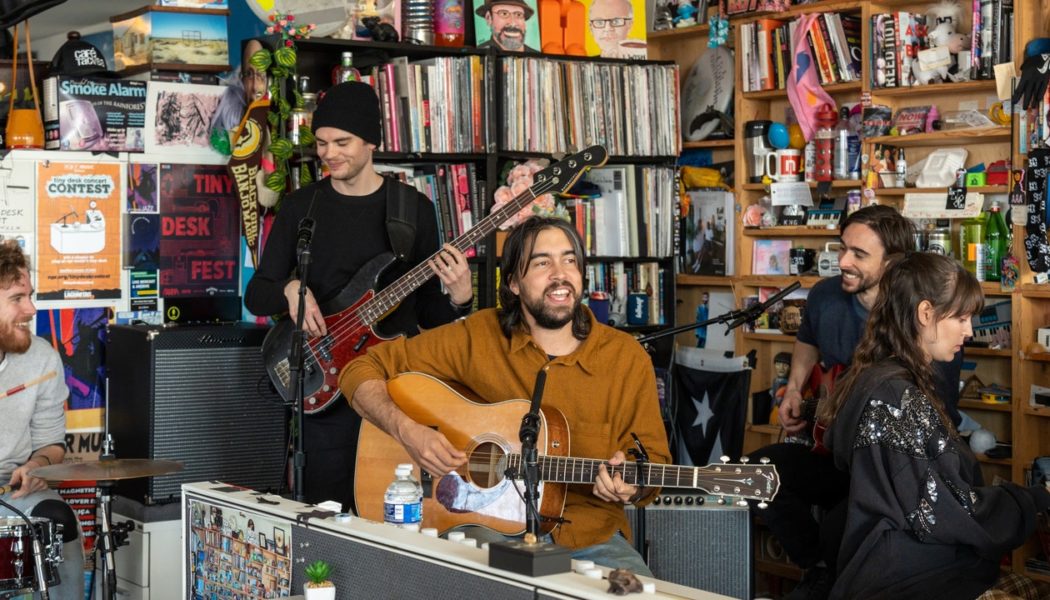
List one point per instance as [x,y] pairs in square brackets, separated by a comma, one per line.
[403,501]
[823,169]
[842,145]
[996,237]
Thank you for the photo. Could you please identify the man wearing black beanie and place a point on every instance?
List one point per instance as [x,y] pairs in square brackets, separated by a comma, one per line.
[349,210]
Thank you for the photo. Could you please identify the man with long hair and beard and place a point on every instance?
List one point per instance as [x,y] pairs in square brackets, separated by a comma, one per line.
[920,523]
[33,431]
[599,378]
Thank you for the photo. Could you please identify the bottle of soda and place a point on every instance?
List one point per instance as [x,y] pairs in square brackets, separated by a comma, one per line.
[345,70]
[403,501]
[996,237]
[971,245]
[448,23]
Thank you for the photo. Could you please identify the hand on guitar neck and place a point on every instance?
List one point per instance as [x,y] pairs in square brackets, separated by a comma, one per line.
[612,488]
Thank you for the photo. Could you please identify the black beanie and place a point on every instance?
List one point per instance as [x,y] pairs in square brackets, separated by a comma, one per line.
[353,107]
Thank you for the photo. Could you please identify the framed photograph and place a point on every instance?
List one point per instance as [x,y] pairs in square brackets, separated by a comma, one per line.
[179,119]
[770,257]
[278,540]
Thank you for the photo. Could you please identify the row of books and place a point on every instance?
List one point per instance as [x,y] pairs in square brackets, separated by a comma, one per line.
[633,215]
[551,105]
[896,40]
[434,105]
[992,41]
[457,193]
[834,43]
[619,280]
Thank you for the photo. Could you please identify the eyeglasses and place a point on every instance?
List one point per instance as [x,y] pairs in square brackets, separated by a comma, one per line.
[614,22]
[518,15]
[252,74]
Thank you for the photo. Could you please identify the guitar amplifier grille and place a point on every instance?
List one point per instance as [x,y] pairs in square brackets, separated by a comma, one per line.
[209,407]
[706,546]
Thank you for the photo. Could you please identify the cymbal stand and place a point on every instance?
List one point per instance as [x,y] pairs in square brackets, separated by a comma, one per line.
[111,536]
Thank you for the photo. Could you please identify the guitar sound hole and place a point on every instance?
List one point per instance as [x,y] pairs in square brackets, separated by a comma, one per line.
[487,464]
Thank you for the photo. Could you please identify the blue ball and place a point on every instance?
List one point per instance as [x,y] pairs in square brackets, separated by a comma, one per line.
[778,136]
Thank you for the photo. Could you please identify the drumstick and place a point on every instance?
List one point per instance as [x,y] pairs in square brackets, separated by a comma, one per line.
[28,384]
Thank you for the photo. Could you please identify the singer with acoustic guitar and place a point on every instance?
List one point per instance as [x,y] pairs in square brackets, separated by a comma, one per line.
[598,378]
[347,221]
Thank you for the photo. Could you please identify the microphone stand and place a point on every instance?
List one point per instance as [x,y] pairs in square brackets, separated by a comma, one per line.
[296,365]
[529,431]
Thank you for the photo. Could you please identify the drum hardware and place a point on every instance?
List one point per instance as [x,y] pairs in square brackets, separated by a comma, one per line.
[27,563]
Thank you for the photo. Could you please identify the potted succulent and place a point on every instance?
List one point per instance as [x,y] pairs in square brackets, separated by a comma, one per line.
[319,587]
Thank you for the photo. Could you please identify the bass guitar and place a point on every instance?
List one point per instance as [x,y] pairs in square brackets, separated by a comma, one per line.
[819,386]
[351,316]
[482,492]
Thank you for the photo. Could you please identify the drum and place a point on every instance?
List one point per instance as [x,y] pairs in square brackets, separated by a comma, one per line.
[17,567]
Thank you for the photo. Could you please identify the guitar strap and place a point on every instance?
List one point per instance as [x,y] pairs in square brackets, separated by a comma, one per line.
[401,218]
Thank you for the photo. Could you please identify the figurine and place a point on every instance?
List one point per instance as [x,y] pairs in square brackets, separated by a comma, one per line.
[686,14]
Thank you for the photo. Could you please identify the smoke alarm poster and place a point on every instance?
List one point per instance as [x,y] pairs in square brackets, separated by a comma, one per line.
[78,228]
[200,232]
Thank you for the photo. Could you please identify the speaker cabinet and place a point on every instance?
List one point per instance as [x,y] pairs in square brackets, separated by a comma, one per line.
[198,394]
[693,541]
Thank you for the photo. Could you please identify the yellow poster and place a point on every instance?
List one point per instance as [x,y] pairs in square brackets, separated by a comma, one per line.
[78,230]
[616,28]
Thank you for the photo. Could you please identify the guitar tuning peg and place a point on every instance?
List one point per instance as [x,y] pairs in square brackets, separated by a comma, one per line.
[764,460]
[741,502]
[724,459]
[763,505]
[745,459]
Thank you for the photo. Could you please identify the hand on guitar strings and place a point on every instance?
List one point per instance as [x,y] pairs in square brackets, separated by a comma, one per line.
[431,450]
[452,269]
[313,320]
[612,488]
[790,411]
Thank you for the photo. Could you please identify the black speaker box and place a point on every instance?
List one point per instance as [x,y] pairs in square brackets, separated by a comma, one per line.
[198,394]
[693,541]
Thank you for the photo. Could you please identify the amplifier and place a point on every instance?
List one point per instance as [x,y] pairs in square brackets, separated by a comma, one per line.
[199,395]
[694,541]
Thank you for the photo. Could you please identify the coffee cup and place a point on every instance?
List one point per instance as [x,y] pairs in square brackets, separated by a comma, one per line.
[784,165]
[801,260]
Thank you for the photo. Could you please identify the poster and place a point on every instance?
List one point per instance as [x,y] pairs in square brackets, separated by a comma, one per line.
[79,337]
[616,28]
[200,232]
[16,202]
[78,224]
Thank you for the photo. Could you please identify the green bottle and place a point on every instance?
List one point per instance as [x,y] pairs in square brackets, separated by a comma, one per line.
[996,237]
[971,245]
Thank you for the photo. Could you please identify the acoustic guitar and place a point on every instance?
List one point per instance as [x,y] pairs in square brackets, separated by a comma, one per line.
[351,316]
[485,491]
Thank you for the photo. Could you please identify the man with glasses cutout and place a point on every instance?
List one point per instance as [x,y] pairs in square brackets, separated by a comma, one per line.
[507,21]
[610,22]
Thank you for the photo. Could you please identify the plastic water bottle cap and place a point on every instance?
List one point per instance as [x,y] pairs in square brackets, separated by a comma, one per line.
[649,587]
[343,518]
[473,543]
[429,531]
[485,546]
[584,565]
[593,573]
[456,536]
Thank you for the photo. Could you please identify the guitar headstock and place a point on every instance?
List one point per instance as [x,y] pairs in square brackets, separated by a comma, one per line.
[559,177]
[742,480]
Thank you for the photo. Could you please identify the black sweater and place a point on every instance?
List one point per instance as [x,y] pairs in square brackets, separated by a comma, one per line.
[920,522]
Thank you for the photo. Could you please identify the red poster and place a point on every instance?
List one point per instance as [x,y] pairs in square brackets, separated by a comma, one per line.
[200,231]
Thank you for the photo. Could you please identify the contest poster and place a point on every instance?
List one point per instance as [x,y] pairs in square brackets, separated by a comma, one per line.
[200,232]
[78,228]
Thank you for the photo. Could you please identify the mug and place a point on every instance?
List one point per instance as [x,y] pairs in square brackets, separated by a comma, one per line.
[828,261]
[786,165]
[801,260]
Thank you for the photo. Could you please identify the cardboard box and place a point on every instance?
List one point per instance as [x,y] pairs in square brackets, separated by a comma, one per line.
[95,114]
[172,38]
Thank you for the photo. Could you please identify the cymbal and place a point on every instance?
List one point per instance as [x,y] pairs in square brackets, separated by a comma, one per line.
[105,470]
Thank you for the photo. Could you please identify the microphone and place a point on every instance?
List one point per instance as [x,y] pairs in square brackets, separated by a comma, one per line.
[751,313]
[306,233]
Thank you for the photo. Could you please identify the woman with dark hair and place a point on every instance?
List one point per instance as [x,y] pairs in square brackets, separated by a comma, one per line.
[920,522]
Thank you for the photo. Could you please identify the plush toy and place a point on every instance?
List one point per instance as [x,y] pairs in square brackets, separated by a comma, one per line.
[686,14]
[942,22]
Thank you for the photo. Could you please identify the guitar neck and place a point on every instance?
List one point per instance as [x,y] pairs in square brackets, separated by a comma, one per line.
[585,470]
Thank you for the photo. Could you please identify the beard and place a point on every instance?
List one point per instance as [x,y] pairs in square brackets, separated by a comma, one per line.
[858,286]
[14,339]
[551,317]
[512,42]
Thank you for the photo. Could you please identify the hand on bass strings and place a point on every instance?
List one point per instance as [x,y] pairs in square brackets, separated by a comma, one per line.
[430,449]
[611,486]
[790,412]
[313,320]
[452,269]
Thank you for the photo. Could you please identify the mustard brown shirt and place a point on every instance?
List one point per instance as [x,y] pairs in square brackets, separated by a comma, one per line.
[605,388]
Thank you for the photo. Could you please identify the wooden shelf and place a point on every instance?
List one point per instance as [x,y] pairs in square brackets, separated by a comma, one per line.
[991,288]
[704,280]
[769,337]
[984,189]
[846,6]
[677,33]
[835,88]
[1005,462]
[1032,290]
[937,88]
[978,405]
[1035,411]
[838,183]
[1036,356]
[779,281]
[764,429]
[983,135]
[687,145]
[788,231]
[978,351]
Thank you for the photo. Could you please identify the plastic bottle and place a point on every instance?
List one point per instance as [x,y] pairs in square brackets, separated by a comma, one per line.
[448,23]
[825,143]
[996,236]
[809,161]
[345,70]
[842,144]
[901,166]
[403,501]
[971,245]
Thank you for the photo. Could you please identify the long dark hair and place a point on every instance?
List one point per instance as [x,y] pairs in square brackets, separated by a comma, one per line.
[895,231]
[516,252]
[893,329]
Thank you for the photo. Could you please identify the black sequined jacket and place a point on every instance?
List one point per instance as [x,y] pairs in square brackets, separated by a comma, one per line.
[920,522]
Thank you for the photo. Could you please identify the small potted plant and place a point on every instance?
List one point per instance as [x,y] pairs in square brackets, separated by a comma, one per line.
[319,587]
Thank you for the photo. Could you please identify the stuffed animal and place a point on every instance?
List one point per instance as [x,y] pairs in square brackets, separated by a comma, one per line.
[942,22]
[686,14]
